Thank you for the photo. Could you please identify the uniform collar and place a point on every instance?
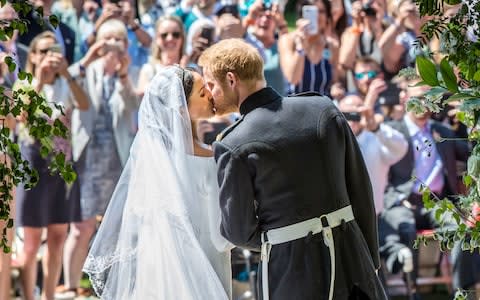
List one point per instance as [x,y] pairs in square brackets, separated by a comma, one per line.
[258,99]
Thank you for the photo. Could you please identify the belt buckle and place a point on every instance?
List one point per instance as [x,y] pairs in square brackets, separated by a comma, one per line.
[322,218]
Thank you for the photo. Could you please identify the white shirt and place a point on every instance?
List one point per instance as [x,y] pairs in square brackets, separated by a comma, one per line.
[381,150]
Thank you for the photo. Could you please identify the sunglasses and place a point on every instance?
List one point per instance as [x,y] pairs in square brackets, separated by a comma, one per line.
[369,74]
[43,51]
[175,35]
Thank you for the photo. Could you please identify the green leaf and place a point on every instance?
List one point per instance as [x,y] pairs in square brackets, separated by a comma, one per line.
[10,63]
[60,159]
[39,11]
[448,75]
[48,111]
[10,223]
[470,104]
[44,151]
[427,71]
[476,76]
[467,180]
[29,78]
[427,202]
[53,20]
[438,214]
[5,131]
[460,97]
[8,31]
[22,75]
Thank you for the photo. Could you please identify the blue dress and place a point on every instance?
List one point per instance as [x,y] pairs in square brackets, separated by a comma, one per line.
[316,78]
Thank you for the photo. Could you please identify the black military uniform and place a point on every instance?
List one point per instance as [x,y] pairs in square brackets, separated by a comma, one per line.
[287,160]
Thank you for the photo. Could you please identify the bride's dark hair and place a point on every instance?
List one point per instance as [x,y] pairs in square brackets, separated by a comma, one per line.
[187,79]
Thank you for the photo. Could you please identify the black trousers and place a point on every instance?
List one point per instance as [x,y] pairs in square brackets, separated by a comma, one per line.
[358,294]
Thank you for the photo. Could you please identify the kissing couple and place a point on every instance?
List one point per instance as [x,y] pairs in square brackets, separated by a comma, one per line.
[287,179]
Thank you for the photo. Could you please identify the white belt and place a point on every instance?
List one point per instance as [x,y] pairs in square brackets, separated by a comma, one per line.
[300,230]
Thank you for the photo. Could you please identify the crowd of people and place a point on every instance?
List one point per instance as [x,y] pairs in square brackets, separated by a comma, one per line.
[103,55]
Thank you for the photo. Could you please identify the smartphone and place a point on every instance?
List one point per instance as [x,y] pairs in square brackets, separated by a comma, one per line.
[391,96]
[310,12]
[207,33]
[57,48]
[114,46]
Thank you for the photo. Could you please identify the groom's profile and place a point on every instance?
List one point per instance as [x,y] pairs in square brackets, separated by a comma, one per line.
[293,184]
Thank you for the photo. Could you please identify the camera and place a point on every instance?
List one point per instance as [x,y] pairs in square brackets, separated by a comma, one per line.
[369,10]
[57,48]
[114,47]
[352,116]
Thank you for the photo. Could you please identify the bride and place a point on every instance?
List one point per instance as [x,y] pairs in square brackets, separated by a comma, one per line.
[160,237]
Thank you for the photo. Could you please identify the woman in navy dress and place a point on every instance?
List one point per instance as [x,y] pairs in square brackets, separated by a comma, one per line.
[307,59]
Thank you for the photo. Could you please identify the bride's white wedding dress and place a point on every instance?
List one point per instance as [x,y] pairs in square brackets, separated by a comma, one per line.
[159,238]
[215,246]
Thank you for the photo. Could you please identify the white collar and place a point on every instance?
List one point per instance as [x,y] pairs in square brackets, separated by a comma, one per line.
[413,129]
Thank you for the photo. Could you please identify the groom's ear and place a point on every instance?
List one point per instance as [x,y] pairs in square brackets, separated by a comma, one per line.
[232,79]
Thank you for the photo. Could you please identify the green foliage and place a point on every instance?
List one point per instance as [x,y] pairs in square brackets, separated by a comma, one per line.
[455,79]
[37,123]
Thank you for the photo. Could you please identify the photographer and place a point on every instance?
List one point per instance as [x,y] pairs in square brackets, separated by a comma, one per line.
[101,139]
[361,39]
[200,36]
[369,80]
[65,34]
[308,57]
[267,23]
[139,39]
[398,39]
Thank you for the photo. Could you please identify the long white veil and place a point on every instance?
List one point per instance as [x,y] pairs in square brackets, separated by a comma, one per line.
[146,247]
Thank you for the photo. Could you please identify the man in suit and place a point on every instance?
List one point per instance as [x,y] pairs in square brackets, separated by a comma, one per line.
[292,183]
[64,34]
[432,161]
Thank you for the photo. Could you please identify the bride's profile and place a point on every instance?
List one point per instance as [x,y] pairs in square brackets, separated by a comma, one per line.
[160,236]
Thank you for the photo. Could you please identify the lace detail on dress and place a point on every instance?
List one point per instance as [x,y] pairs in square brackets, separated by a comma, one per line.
[97,267]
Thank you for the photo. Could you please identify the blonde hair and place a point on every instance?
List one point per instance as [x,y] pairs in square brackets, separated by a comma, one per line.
[233,55]
[112,26]
[29,66]
[156,51]
[66,4]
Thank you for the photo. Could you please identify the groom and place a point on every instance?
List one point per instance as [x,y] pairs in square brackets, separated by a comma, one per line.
[292,183]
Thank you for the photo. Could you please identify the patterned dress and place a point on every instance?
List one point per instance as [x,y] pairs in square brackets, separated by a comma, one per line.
[99,167]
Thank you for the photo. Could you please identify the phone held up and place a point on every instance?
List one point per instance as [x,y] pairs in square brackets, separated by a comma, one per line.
[207,33]
[57,48]
[117,46]
[310,12]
